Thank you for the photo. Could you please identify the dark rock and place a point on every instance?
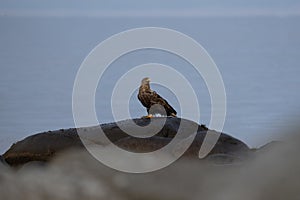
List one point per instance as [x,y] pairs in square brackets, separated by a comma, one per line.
[44,146]
[225,145]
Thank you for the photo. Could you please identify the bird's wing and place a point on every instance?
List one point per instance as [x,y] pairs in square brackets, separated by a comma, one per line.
[157,99]
[145,98]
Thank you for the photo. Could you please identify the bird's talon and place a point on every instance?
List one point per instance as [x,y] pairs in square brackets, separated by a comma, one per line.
[148,116]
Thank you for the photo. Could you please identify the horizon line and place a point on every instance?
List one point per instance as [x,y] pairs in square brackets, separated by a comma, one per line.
[150,14]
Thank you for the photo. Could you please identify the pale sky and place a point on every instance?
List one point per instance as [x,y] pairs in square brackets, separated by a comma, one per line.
[153,8]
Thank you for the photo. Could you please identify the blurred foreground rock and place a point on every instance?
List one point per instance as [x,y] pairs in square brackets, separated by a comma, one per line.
[76,175]
[44,146]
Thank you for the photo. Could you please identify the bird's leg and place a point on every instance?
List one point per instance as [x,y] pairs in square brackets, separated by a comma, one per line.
[149,116]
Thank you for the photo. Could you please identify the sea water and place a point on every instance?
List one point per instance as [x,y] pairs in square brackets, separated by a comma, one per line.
[258,58]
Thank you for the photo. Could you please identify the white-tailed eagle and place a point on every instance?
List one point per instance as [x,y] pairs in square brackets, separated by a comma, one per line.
[154,103]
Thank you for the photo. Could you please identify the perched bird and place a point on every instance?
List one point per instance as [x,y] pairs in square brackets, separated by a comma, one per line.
[154,103]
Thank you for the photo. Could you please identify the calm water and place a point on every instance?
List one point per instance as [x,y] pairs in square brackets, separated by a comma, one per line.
[257,57]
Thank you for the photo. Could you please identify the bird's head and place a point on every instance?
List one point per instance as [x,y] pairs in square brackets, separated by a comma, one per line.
[146,81]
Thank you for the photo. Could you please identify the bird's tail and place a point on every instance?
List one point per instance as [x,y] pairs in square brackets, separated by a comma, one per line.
[173,115]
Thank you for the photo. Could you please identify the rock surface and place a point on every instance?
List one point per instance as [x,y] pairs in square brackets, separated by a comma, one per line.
[44,146]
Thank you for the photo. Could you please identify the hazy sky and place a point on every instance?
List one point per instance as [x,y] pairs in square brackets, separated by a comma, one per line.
[148,8]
